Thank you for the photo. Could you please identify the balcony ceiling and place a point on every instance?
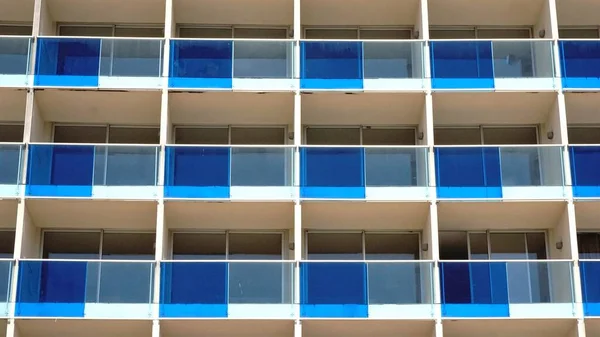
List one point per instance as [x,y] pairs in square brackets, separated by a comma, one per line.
[499,215]
[226,108]
[107,11]
[226,328]
[578,12]
[530,328]
[12,105]
[484,13]
[491,108]
[359,12]
[241,12]
[142,107]
[81,328]
[87,214]
[17,11]
[583,108]
[361,328]
[221,216]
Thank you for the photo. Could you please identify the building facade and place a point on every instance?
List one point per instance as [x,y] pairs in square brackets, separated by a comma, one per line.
[299,168]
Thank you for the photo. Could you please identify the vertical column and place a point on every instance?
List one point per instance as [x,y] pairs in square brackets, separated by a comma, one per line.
[298,242]
[424,35]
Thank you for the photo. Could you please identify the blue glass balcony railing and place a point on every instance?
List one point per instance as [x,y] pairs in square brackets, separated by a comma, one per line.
[375,65]
[585,163]
[11,159]
[6,268]
[235,289]
[232,64]
[511,172]
[354,172]
[590,287]
[105,171]
[242,172]
[374,289]
[580,63]
[95,289]
[520,289]
[500,64]
[99,62]
[14,60]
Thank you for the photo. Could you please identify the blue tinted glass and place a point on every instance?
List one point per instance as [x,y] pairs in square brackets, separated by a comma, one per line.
[201,59]
[458,59]
[14,55]
[194,283]
[590,273]
[585,163]
[462,167]
[332,167]
[68,56]
[580,58]
[198,166]
[52,282]
[61,165]
[334,283]
[332,60]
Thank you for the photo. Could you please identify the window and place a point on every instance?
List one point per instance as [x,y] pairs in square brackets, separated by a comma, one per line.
[227,246]
[456,245]
[7,244]
[362,246]
[110,30]
[584,135]
[364,33]
[488,135]
[11,133]
[98,244]
[25,30]
[589,245]
[360,136]
[480,33]
[233,32]
[230,135]
[578,33]
[102,134]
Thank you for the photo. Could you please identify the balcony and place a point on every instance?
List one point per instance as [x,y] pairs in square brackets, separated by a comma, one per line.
[580,62]
[98,171]
[11,159]
[361,289]
[516,289]
[585,161]
[230,172]
[14,61]
[590,271]
[492,65]
[91,289]
[362,65]
[235,289]
[509,172]
[108,63]
[373,173]
[255,65]
[5,283]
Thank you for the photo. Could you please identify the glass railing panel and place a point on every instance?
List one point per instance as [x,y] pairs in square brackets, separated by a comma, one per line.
[374,289]
[580,63]
[497,172]
[6,267]
[332,172]
[585,161]
[257,59]
[131,57]
[126,165]
[462,64]
[506,289]
[227,289]
[199,63]
[73,170]
[395,167]
[14,55]
[590,287]
[10,163]
[264,166]
[85,288]
[331,64]
[393,59]
[523,59]
[75,60]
